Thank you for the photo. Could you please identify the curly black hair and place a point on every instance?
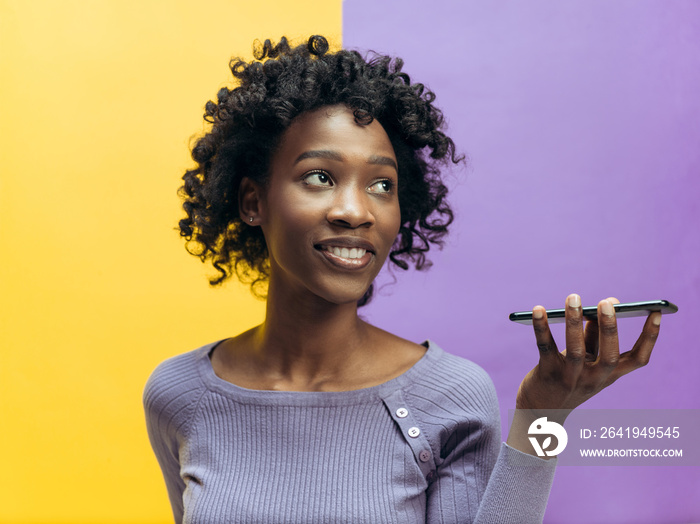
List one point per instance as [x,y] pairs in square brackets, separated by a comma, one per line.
[248,121]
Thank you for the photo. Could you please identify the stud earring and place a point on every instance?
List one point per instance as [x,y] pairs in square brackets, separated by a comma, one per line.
[250,219]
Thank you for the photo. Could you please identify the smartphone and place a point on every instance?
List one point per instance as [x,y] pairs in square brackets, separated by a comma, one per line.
[630,309]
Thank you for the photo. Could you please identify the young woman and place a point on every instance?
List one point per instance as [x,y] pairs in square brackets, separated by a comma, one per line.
[317,167]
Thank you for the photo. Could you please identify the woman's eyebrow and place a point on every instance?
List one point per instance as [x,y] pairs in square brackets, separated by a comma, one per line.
[382,161]
[334,155]
[321,153]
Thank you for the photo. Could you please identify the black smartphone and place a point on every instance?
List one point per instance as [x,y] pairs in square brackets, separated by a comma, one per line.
[630,309]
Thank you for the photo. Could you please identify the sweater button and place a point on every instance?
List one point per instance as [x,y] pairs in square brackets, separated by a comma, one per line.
[424,456]
[402,412]
[413,432]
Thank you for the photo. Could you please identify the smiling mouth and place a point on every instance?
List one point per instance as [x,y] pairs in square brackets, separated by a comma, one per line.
[346,258]
[344,252]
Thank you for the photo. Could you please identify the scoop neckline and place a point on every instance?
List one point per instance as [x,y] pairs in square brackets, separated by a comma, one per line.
[306,398]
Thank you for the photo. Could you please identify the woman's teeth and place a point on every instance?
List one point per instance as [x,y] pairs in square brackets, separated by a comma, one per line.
[343,252]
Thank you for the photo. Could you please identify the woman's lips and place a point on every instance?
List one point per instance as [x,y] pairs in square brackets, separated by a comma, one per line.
[345,257]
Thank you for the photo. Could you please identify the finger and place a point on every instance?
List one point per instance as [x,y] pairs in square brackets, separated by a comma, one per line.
[545,340]
[575,342]
[609,346]
[640,353]
[591,336]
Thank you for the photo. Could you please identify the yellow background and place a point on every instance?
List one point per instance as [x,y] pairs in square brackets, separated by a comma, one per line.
[98,101]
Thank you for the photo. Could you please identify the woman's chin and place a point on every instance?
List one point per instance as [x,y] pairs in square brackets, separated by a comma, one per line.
[342,294]
[343,299]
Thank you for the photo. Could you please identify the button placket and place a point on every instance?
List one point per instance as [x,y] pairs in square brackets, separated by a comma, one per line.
[413,434]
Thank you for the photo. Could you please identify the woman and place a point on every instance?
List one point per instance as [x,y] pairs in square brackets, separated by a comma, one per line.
[318,167]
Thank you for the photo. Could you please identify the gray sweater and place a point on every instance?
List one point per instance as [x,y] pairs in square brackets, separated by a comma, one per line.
[423,447]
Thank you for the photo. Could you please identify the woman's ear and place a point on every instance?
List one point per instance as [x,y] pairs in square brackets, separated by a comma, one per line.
[250,202]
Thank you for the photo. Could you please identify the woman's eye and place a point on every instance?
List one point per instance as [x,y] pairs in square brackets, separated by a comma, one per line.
[382,186]
[318,178]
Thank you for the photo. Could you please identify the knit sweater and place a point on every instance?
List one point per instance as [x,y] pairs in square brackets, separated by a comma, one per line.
[422,447]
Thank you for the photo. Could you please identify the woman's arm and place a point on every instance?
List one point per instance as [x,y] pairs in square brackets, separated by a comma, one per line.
[518,482]
[165,448]
[169,399]
[477,477]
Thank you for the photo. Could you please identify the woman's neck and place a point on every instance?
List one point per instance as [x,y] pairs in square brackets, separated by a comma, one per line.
[310,344]
[307,340]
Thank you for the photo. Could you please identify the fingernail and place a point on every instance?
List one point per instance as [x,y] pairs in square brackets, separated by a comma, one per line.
[574,301]
[537,313]
[607,308]
[656,319]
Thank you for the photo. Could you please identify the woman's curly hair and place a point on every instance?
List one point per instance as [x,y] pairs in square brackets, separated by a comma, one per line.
[248,121]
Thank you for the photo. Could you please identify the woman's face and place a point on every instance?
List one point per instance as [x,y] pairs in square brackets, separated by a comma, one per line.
[330,212]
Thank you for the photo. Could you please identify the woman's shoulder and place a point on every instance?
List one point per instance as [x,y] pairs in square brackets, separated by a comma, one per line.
[453,402]
[428,370]
[453,370]
[176,380]
[451,382]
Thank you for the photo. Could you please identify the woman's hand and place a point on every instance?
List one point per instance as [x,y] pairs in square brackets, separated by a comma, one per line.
[590,362]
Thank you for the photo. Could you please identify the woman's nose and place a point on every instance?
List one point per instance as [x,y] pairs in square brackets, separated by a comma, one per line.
[351,208]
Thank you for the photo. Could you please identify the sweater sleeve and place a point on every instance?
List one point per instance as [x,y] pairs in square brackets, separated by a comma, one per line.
[478,479]
[518,489]
[170,398]
[519,484]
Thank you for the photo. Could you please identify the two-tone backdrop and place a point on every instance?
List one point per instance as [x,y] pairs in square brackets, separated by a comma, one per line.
[580,121]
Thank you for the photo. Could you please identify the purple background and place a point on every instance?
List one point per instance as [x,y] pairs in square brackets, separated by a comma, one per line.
[582,123]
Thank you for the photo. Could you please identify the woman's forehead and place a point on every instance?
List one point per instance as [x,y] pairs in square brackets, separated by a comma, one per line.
[332,132]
